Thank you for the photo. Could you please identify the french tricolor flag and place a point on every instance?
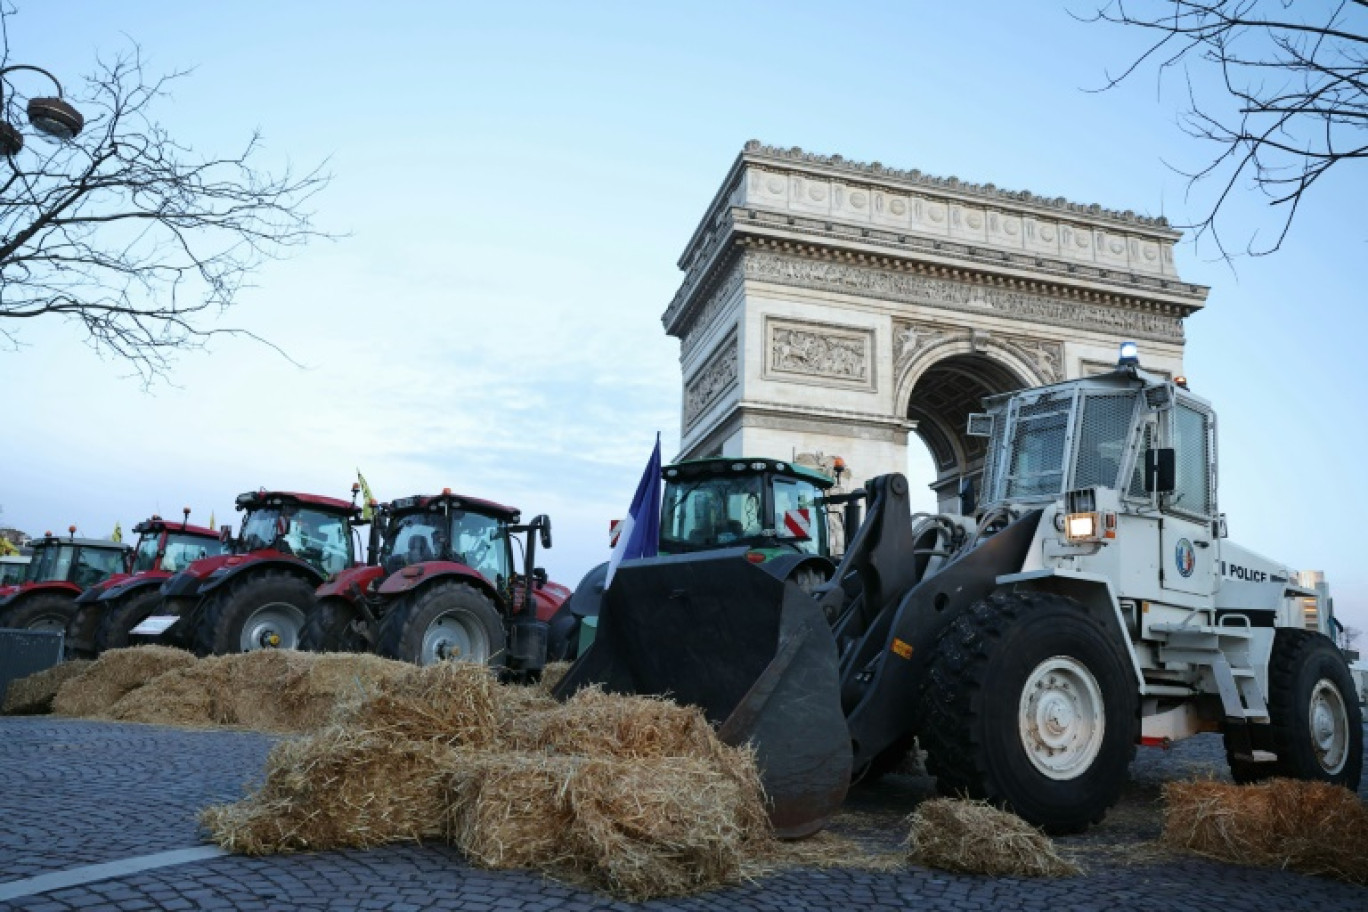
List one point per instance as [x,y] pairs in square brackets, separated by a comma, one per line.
[639,535]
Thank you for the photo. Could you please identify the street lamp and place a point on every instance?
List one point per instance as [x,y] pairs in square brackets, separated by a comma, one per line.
[52,116]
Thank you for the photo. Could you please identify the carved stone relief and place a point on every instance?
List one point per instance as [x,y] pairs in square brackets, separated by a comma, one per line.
[711,308]
[716,376]
[844,277]
[820,352]
[1045,357]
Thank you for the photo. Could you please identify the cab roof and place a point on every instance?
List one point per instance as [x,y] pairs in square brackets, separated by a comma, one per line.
[460,501]
[722,465]
[155,523]
[264,497]
[47,540]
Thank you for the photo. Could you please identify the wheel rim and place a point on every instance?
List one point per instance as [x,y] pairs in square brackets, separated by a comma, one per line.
[1061,718]
[48,622]
[453,637]
[273,626]
[1329,721]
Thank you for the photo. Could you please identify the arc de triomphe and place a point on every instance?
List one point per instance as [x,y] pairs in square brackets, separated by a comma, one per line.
[830,308]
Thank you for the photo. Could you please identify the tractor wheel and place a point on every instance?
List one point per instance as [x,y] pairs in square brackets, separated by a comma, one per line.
[125,614]
[1032,706]
[446,622]
[80,631]
[46,611]
[263,610]
[334,625]
[1317,723]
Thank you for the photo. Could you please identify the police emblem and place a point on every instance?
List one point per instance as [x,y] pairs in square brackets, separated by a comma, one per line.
[1185,557]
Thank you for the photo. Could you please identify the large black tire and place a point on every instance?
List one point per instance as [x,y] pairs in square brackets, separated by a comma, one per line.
[263,610]
[45,611]
[334,625]
[1316,720]
[79,642]
[446,621]
[123,615]
[1032,706]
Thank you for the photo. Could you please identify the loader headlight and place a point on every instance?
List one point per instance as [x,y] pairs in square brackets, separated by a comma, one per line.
[1081,526]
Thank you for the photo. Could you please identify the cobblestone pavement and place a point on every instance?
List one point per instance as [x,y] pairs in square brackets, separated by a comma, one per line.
[79,793]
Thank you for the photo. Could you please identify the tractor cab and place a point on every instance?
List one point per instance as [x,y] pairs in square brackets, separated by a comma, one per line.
[169,547]
[450,528]
[314,529]
[762,504]
[81,562]
[12,568]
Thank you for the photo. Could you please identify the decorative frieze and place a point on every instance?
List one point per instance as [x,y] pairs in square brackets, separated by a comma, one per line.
[911,339]
[715,304]
[850,278]
[719,374]
[817,352]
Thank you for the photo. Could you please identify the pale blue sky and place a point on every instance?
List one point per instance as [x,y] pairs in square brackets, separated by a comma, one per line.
[516,182]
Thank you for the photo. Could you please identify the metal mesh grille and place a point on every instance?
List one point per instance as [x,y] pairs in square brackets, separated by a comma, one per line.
[1039,435]
[1193,493]
[991,485]
[1106,421]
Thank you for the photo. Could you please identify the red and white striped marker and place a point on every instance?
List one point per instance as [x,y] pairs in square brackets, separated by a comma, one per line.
[614,532]
[798,523]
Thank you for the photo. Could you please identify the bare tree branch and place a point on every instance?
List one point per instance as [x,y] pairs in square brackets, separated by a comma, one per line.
[131,234]
[1294,78]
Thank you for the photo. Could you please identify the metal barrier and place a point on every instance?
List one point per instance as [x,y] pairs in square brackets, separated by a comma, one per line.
[24,652]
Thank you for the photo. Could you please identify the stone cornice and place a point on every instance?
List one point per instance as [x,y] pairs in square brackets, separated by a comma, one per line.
[913,178]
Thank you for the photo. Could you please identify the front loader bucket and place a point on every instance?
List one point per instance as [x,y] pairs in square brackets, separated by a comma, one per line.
[754,652]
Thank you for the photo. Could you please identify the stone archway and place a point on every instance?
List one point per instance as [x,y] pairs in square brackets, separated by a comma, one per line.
[832,308]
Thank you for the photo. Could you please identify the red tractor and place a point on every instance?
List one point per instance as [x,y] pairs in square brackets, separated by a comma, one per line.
[61,569]
[258,594]
[106,612]
[441,586]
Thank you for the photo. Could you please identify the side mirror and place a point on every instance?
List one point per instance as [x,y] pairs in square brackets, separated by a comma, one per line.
[1218,527]
[226,534]
[543,524]
[539,575]
[1161,471]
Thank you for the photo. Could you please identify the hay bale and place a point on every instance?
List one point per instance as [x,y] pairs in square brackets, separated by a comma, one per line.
[551,676]
[637,828]
[280,691]
[1311,827]
[33,695]
[455,703]
[973,837]
[597,724]
[341,788]
[114,674]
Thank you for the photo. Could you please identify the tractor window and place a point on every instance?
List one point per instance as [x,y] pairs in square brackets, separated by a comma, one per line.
[1036,465]
[710,512]
[320,540]
[412,539]
[797,517]
[145,558]
[51,562]
[481,543]
[95,564]
[183,550]
[12,574]
[259,529]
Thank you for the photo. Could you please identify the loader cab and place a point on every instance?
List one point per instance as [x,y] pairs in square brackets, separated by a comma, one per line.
[758,503]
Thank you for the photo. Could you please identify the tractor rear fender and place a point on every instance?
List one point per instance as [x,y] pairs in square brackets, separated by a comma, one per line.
[340,585]
[29,590]
[883,673]
[131,586]
[1089,589]
[227,574]
[415,576]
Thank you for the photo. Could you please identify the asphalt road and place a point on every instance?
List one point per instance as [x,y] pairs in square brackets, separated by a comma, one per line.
[91,813]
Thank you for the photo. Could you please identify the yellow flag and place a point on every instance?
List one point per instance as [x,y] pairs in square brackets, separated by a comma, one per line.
[7,548]
[367,512]
[212,527]
[118,532]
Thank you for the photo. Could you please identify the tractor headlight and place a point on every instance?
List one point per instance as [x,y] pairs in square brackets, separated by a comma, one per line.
[1081,527]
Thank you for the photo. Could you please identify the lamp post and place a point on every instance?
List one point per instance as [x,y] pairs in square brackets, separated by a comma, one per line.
[53,116]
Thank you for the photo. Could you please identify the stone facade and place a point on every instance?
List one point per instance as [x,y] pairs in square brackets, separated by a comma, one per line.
[835,307]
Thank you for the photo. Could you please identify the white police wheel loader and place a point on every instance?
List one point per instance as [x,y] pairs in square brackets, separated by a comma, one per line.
[1091,603]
